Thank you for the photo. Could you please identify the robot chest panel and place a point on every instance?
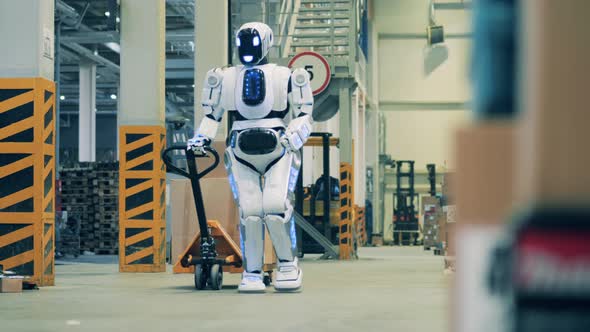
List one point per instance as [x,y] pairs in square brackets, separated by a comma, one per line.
[254,92]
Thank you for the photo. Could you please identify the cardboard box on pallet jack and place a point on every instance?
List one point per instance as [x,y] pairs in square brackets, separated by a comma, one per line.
[219,206]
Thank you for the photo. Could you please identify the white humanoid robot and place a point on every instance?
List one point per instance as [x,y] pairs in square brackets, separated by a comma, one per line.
[274,107]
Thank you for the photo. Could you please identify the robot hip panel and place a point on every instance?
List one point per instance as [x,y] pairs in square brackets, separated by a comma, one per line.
[257,148]
[258,141]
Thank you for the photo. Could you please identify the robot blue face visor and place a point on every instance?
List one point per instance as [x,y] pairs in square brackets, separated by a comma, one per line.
[249,45]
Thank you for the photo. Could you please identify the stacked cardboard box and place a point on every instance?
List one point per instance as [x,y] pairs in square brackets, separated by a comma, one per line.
[432,231]
[484,201]
[9,284]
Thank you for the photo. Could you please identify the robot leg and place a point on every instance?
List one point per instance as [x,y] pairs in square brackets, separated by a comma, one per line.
[245,185]
[276,203]
[252,243]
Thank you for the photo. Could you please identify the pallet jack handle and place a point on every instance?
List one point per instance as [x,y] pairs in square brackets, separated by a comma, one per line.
[194,176]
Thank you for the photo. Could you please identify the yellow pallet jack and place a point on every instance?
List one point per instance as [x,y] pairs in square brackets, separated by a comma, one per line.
[212,251]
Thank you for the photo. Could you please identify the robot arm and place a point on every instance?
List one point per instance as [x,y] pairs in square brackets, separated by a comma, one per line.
[301,99]
[211,104]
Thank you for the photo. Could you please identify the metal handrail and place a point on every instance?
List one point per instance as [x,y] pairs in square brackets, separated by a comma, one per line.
[328,27]
[341,45]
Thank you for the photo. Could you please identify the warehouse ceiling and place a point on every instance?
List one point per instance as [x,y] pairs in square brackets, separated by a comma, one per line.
[89,31]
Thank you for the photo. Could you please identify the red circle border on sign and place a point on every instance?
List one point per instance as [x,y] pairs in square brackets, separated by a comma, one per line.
[323,60]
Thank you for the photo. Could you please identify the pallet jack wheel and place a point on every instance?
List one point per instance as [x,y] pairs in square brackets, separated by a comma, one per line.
[200,277]
[216,277]
[267,280]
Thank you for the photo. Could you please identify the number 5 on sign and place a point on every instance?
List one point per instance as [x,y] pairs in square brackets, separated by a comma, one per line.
[317,67]
[309,69]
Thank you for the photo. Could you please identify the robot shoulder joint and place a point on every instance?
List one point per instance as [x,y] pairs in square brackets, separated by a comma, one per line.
[214,78]
[300,77]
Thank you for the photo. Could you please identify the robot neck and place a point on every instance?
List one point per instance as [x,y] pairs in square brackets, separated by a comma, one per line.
[263,61]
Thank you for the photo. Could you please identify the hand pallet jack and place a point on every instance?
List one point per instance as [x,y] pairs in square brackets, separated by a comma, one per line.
[207,261]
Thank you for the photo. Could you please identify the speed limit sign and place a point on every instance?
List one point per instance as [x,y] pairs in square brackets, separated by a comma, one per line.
[317,67]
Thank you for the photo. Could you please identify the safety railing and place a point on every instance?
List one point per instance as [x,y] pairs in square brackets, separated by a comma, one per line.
[328,27]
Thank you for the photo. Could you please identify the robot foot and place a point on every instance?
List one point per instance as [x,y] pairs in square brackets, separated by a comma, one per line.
[251,283]
[288,277]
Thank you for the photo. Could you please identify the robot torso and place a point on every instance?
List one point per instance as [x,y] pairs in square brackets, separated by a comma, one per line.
[257,92]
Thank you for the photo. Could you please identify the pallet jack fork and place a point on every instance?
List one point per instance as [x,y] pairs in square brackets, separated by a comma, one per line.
[212,249]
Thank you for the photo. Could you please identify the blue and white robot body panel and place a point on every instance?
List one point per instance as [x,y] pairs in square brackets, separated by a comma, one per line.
[253,87]
[260,90]
[228,88]
[281,77]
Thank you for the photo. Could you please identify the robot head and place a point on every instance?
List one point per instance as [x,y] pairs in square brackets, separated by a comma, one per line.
[253,40]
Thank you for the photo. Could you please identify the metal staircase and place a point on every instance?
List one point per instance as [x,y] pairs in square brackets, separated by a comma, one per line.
[327,27]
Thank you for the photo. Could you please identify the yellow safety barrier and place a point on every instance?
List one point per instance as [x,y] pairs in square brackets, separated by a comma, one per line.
[346,243]
[27,178]
[142,203]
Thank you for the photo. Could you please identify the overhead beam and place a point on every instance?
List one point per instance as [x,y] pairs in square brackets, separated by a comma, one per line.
[74,86]
[99,102]
[175,64]
[81,50]
[100,37]
[452,5]
[180,35]
[424,106]
[90,37]
[424,36]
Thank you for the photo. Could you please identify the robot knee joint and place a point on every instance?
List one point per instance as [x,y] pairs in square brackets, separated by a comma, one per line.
[274,206]
[250,220]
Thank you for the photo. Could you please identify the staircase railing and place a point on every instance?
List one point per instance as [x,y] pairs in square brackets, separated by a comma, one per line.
[287,20]
[328,27]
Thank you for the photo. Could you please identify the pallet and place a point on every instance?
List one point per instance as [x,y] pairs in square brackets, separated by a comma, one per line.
[106,192]
[108,245]
[90,193]
[106,200]
[107,217]
[106,210]
[104,182]
[104,251]
[79,199]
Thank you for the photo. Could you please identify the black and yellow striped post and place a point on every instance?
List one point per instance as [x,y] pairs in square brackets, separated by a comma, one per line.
[142,206]
[346,243]
[27,178]
[360,226]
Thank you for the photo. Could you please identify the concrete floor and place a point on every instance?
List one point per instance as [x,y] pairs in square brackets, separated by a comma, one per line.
[388,289]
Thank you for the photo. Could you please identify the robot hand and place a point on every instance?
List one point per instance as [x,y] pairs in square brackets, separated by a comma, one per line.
[291,141]
[198,142]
